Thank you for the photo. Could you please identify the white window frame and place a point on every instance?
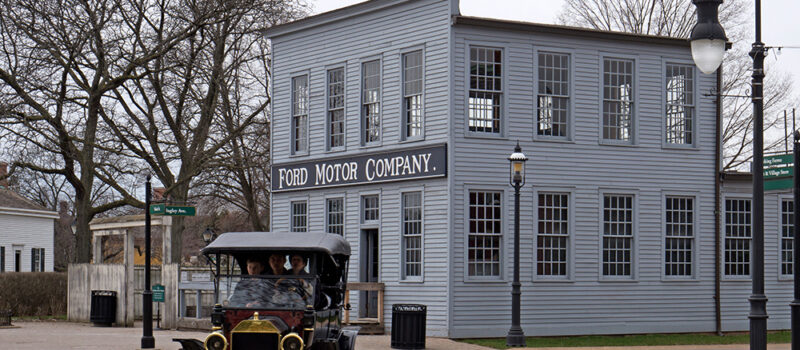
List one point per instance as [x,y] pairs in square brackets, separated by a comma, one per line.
[404,112]
[328,135]
[292,227]
[504,212]
[695,226]
[381,106]
[636,101]
[695,106]
[723,259]
[503,94]
[571,91]
[294,115]
[343,198]
[781,275]
[361,219]
[570,192]
[403,237]
[634,276]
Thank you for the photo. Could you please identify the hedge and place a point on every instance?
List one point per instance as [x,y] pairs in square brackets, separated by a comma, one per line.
[34,293]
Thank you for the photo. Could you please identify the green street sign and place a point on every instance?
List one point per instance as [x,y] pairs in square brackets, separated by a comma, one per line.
[157,209]
[778,172]
[783,159]
[158,293]
[176,210]
[779,184]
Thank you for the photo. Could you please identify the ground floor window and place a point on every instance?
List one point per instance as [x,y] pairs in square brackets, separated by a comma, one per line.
[299,216]
[787,236]
[485,231]
[37,259]
[737,237]
[552,234]
[679,243]
[617,235]
[335,215]
[412,234]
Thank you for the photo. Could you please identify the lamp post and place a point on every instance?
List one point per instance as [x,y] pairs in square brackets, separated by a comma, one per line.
[708,46]
[515,335]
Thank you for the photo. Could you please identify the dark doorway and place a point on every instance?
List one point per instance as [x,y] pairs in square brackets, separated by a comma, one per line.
[17,260]
[370,265]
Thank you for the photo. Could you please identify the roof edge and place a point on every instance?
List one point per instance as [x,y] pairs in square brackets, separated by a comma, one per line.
[48,214]
[330,17]
[567,30]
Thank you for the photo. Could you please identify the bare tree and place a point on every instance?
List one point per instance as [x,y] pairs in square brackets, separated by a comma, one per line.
[203,100]
[676,18]
[59,60]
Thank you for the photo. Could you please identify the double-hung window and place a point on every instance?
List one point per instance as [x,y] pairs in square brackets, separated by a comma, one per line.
[412,94]
[680,104]
[300,114]
[335,108]
[412,235]
[552,118]
[618,100]
[371,101]
[299,216]
[679,244]
[618,225]
[552,237]
[37,259]
[485,90]
[738,236]
[334,208]
[485,233]
[787,236]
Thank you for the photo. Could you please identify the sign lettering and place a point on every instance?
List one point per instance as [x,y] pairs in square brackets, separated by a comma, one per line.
[361,169]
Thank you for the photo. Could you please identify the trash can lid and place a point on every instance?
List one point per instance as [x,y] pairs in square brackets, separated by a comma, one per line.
[409,307]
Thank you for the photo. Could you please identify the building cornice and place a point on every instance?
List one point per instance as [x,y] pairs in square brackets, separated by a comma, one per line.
[566,30]
[331,17]
[46,214]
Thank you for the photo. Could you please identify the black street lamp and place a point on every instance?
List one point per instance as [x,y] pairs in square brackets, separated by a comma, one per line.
[515,335]
[708,47]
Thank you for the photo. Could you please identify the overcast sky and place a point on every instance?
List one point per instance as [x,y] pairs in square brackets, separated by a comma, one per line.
[779,23]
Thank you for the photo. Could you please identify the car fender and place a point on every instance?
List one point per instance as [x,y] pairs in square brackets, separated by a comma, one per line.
[347,338]
[190,344]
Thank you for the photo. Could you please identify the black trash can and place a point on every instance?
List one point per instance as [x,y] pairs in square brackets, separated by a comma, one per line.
[104,307]
[408,326]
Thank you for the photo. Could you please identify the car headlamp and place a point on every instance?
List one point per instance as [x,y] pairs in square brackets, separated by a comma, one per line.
[291,341]
[216,341]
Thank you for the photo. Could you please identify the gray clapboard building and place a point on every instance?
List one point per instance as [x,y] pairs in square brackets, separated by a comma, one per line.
[392,124]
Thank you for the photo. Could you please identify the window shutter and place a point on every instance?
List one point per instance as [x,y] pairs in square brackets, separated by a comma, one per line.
[33,259]
[2,259]
[41,259]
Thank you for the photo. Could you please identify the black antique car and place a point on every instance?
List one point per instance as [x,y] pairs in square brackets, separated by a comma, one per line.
[292,301]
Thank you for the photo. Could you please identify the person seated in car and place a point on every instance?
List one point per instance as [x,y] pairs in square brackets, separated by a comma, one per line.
[251,291]
[276,263]
[298,265]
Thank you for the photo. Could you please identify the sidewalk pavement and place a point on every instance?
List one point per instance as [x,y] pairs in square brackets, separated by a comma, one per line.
[60,335]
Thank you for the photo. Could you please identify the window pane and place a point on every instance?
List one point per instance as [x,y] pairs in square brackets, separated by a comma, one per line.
[299,216]
[300,114]
[617,99]
[412,93]
[679,104]
[679,244]
[617,235]
[553,98]
[412,234]
[371,101]
[335,215]
[553,234]
[484,235]
[336,107]
[486,90]
[787,236]
[737,237]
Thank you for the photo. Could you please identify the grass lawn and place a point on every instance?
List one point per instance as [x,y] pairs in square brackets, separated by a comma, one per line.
[635,340]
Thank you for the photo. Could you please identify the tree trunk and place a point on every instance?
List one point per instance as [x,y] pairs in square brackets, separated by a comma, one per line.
[83,237]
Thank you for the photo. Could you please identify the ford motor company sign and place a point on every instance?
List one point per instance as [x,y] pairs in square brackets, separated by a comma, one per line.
[361,169]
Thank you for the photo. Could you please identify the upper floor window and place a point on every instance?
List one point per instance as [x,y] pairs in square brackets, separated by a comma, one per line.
[334,208]
[787,236]
[485,89]
[552,235]
[300,114]
[412,234]
[737,237]
[618,100]
[679,245]
[679,104]
[299,216]
[412,94]
[370,208]
[335,108]
[618,235]
[552,117]
[485,231]
[371,101]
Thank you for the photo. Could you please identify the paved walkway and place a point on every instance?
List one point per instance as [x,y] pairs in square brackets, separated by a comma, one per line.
[59,335]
